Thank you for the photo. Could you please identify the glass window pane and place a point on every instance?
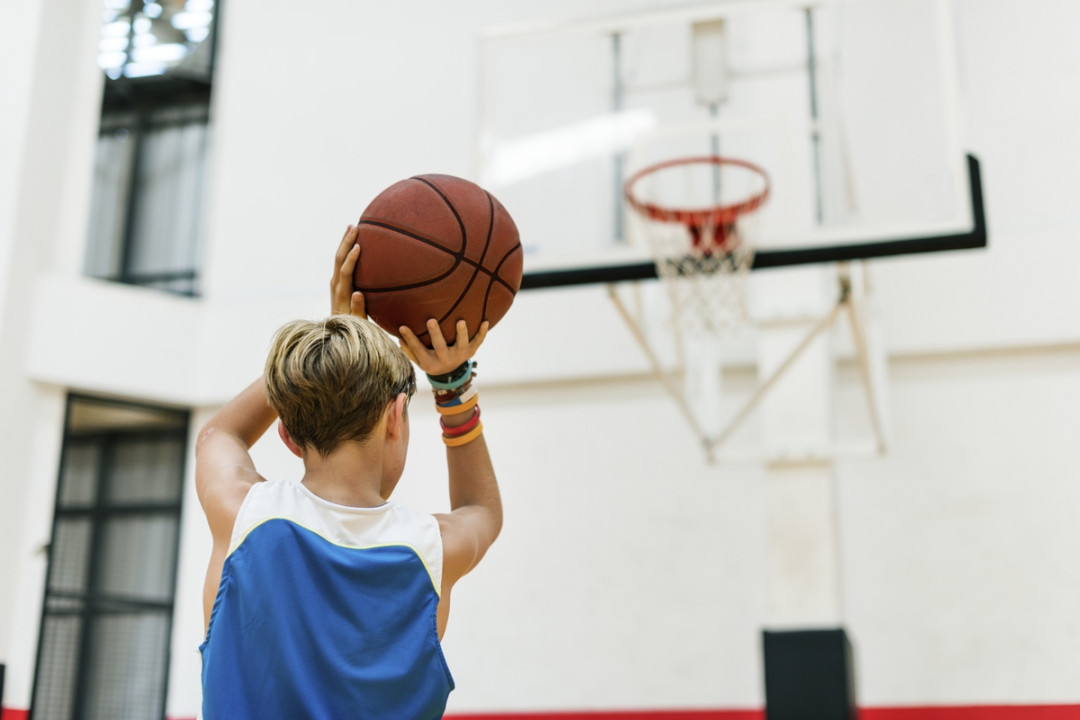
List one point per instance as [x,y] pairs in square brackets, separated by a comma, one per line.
[57,673]
[126,668]
[137,558]
[109,198]
[145,471]
[95,417]
[164,36]
[169,209]
[69,555]
[78,483]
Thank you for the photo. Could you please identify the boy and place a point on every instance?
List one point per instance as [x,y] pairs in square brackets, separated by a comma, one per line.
[324,599]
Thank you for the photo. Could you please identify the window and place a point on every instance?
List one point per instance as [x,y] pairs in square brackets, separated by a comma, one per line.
[147,198]
[150,163]
[103,650]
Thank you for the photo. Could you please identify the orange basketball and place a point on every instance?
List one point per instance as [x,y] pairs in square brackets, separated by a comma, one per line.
[437,246]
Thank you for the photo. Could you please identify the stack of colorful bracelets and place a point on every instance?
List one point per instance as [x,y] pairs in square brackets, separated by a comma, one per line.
[454,395]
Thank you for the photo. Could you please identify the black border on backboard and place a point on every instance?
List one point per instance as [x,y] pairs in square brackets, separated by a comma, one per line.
[976,238]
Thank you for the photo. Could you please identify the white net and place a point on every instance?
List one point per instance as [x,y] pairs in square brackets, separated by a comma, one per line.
[697,217]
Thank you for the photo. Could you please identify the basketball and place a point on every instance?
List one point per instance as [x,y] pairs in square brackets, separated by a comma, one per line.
[437,246]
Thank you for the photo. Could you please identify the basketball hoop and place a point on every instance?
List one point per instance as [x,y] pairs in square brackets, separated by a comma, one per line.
[695,213]
[719,218]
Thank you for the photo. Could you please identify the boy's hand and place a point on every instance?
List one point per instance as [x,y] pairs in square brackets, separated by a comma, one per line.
[345,299]
[441,358]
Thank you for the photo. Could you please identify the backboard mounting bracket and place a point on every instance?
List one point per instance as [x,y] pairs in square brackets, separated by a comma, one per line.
[848,301]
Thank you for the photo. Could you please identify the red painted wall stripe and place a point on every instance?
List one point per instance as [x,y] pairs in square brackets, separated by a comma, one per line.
[975,712]
[971,712]
[965,712]
[624,715]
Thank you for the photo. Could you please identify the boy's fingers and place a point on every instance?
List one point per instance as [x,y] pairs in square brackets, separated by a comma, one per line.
[348,240]
[341,282]
[478,340]
[438,342]
[357,305]
[410,343]
[342,290]
[462,334]
[347,266]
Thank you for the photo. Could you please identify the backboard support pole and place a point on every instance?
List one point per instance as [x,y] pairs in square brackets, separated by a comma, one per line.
[657,367]
[847,301]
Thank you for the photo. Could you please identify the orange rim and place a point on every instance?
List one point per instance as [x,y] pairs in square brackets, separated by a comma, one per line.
[717,216]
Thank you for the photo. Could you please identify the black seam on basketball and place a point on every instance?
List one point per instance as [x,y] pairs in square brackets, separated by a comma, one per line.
[487,296]
[460,222]
[495,277]
[459,258]
[495,271]
[479,265]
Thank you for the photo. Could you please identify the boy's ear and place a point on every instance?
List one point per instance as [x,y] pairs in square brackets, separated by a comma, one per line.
[286,438]
[395,415]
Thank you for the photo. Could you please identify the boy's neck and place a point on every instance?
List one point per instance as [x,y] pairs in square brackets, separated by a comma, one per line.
[351,475]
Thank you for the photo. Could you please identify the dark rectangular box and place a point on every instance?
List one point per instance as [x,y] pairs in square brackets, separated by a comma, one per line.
[809,675]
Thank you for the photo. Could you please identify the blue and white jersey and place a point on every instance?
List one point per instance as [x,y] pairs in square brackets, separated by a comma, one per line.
[326,611]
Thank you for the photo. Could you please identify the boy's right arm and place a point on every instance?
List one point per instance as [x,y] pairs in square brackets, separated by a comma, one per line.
[224,471]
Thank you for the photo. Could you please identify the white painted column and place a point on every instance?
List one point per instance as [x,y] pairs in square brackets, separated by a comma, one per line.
[797,419]
[50,103]
[185,663]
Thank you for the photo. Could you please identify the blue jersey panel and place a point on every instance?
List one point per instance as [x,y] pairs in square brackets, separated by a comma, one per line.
[304,628]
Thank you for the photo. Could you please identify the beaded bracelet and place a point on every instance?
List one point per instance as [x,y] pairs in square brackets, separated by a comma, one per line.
[459,440]
[452,400]
[447,395]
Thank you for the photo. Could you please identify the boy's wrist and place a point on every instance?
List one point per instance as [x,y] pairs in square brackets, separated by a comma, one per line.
[453,379]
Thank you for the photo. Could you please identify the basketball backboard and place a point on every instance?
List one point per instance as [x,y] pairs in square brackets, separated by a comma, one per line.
[852,107]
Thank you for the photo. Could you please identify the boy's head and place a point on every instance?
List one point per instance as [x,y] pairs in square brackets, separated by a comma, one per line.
[330,381]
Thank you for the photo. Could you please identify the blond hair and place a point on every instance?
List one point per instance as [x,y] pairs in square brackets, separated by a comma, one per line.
[330,381]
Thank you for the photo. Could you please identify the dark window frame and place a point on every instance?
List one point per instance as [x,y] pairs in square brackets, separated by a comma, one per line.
[92,603]
[143,98]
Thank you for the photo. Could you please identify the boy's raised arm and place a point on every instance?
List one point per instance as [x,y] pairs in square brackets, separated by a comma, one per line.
[475,516]
[224,469]
[224,472]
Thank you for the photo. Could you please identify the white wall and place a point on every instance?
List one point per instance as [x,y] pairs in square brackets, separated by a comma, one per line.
[626,559]
[50,100]
[959,546]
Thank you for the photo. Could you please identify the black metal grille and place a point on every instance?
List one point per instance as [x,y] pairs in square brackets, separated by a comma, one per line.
[104,643]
